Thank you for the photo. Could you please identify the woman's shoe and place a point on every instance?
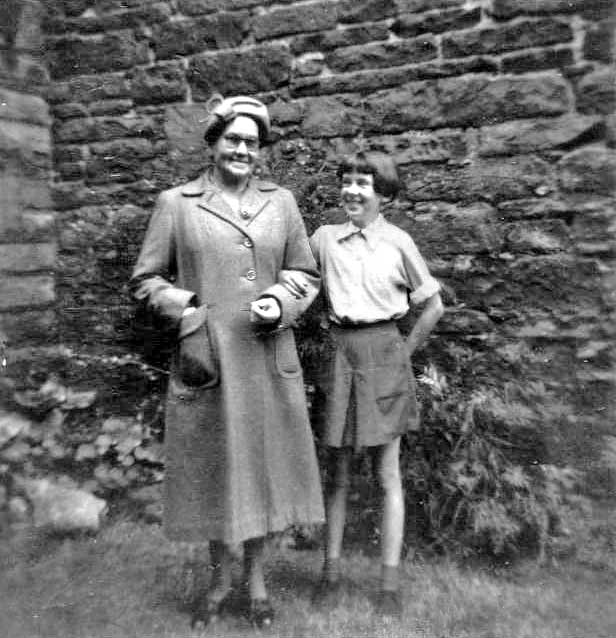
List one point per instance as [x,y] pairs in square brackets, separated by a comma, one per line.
[207,609]
[389,603]
[260,613]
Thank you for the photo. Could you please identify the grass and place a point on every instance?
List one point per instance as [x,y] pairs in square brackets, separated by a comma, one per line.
[130,582]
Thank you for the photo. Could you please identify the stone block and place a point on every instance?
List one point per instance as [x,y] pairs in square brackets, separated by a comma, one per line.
[63,509]
[338,38]
[110,107]
[197,7]
[490,180]
[596,92]
[505,9]
[68,110]
[70,171]
[309,65]
[28,326]
[27,257]
[78,56]
[413,106]
[23,107]
[415,6]
[591,169]
[477,101]
[375,79]
[535,207]
[525,136]
[29,36]
[96,23]
[74,7]
[19,192]
[538,60]
[423,146]
[22,72]
[599,42]
[160,83]
[541,236]
[330,117]
[365,10]
[184,125]
[520,35]
[89,88]
[120,160]
[317,16]
[73,131]
[259,69]
[386,54]
[471,229]
[24,291]
[183,37]
[109,128]
[411,25]
[29,144]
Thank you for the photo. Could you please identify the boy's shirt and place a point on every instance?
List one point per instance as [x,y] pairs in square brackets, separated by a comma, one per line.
[370,274]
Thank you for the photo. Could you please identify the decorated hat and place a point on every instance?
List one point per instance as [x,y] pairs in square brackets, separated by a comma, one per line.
[223,111]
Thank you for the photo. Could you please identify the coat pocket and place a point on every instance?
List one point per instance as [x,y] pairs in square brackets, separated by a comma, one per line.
[287,360]
[197,364]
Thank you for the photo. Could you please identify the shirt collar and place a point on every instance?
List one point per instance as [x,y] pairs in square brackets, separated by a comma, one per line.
[371,233]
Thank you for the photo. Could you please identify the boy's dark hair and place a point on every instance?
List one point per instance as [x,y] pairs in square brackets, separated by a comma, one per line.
[381,166]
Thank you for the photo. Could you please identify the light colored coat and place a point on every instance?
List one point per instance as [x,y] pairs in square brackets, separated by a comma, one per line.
[240,458]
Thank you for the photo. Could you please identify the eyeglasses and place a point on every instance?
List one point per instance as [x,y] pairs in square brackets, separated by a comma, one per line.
[233,141]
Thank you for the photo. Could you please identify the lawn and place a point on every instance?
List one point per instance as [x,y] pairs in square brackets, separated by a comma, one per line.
[130,582]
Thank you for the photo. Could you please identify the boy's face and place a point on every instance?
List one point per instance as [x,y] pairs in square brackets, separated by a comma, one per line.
[359,199]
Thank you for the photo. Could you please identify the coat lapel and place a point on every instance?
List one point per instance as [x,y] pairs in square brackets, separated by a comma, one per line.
[255,200]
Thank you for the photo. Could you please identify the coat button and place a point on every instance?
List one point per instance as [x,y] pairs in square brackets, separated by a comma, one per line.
[251,274]
[248,243]
[245,214]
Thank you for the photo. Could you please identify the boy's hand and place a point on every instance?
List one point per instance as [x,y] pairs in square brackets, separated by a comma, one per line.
[294,282]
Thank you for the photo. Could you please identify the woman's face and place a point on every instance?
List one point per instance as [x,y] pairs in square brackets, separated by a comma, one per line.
[237,150]
[359,199]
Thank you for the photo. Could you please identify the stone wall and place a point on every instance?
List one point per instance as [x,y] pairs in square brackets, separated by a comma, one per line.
[500,113]
[27,233]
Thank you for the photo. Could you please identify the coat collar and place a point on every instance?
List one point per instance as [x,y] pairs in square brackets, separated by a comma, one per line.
[255,198]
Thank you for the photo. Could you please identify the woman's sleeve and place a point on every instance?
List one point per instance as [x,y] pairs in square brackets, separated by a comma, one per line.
[422,285]
[151,280]
[297,258]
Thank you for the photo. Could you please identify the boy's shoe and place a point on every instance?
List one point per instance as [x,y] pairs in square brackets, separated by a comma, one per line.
[389,603]
[327,593]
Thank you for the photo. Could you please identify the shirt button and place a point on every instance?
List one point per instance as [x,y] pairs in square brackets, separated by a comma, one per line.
[245,214]
[251,274]
[248,243]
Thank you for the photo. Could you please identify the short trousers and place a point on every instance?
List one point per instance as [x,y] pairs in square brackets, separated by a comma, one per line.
[366,390]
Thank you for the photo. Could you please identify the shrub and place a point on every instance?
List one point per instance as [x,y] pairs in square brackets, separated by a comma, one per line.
[480,475]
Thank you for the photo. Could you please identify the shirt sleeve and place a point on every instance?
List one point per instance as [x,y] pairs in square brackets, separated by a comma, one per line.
[420,282]
[315,246]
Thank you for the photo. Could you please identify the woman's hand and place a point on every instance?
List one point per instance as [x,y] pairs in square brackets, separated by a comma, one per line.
[294,282]
[265,310]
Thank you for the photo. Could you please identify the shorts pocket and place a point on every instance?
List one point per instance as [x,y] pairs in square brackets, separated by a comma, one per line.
[287,360]
[391,379]
[197,364]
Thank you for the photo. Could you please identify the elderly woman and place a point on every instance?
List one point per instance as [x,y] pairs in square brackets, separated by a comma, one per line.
[371,272]
[240,459]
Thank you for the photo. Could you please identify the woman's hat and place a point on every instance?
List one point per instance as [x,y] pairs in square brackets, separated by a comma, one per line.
[224,111]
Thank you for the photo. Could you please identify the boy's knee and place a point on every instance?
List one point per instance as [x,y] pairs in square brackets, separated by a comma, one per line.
[388,478]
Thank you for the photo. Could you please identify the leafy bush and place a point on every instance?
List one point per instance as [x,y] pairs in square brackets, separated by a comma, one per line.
[480,477]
